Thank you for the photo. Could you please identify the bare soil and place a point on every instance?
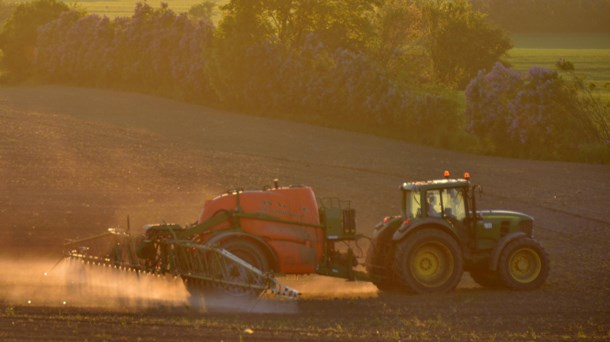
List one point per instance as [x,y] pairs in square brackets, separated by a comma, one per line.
[74,161]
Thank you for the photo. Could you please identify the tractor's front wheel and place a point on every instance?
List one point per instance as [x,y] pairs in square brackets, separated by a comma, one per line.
[428,261]
[523,265]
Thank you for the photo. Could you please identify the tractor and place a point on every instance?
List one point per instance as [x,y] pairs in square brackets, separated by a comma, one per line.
[244,237]
[439,234]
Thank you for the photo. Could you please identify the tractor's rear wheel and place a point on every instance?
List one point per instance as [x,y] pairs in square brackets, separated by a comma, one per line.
[523,265]
[428,261]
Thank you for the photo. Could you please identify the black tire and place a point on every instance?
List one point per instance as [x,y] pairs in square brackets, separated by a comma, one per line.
[244,249]
[428,261]
[249,252]
[523,265]
[379,267]
[486,278]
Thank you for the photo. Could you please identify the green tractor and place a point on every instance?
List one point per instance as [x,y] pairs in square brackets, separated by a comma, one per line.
[439,234]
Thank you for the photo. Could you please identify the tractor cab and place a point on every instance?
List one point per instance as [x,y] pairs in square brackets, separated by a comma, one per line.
[448,203]
[436,199]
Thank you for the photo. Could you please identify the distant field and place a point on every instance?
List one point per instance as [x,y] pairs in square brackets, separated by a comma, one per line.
[124,8]
[590,54]
[561,41]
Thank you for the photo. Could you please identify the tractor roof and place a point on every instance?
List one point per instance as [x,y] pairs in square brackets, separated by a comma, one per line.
[435,184]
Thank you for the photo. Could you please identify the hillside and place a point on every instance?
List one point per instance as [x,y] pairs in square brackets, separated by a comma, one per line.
[74,161]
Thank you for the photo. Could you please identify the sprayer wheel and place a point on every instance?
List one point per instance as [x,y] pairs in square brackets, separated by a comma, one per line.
[250,253]
[229,272]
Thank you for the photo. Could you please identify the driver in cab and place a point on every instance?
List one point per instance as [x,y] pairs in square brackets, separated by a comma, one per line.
[432,203]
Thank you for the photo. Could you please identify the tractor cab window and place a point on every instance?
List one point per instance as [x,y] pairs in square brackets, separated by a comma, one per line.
[436,203]
[413,204]
[446,203]
[453,203]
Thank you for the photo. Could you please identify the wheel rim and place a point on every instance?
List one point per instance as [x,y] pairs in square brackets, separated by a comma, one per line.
[525,265]
[432,264]
[236,272]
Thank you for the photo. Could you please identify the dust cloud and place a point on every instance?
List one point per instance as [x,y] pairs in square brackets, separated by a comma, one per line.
[321,287]
[71,283]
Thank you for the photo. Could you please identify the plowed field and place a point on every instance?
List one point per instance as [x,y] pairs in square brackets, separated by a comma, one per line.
[74,161]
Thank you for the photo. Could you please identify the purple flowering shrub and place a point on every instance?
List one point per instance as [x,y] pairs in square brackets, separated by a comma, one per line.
[154,50]
[537,114]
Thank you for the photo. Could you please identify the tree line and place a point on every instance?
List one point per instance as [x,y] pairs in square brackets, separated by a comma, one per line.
[390,67]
